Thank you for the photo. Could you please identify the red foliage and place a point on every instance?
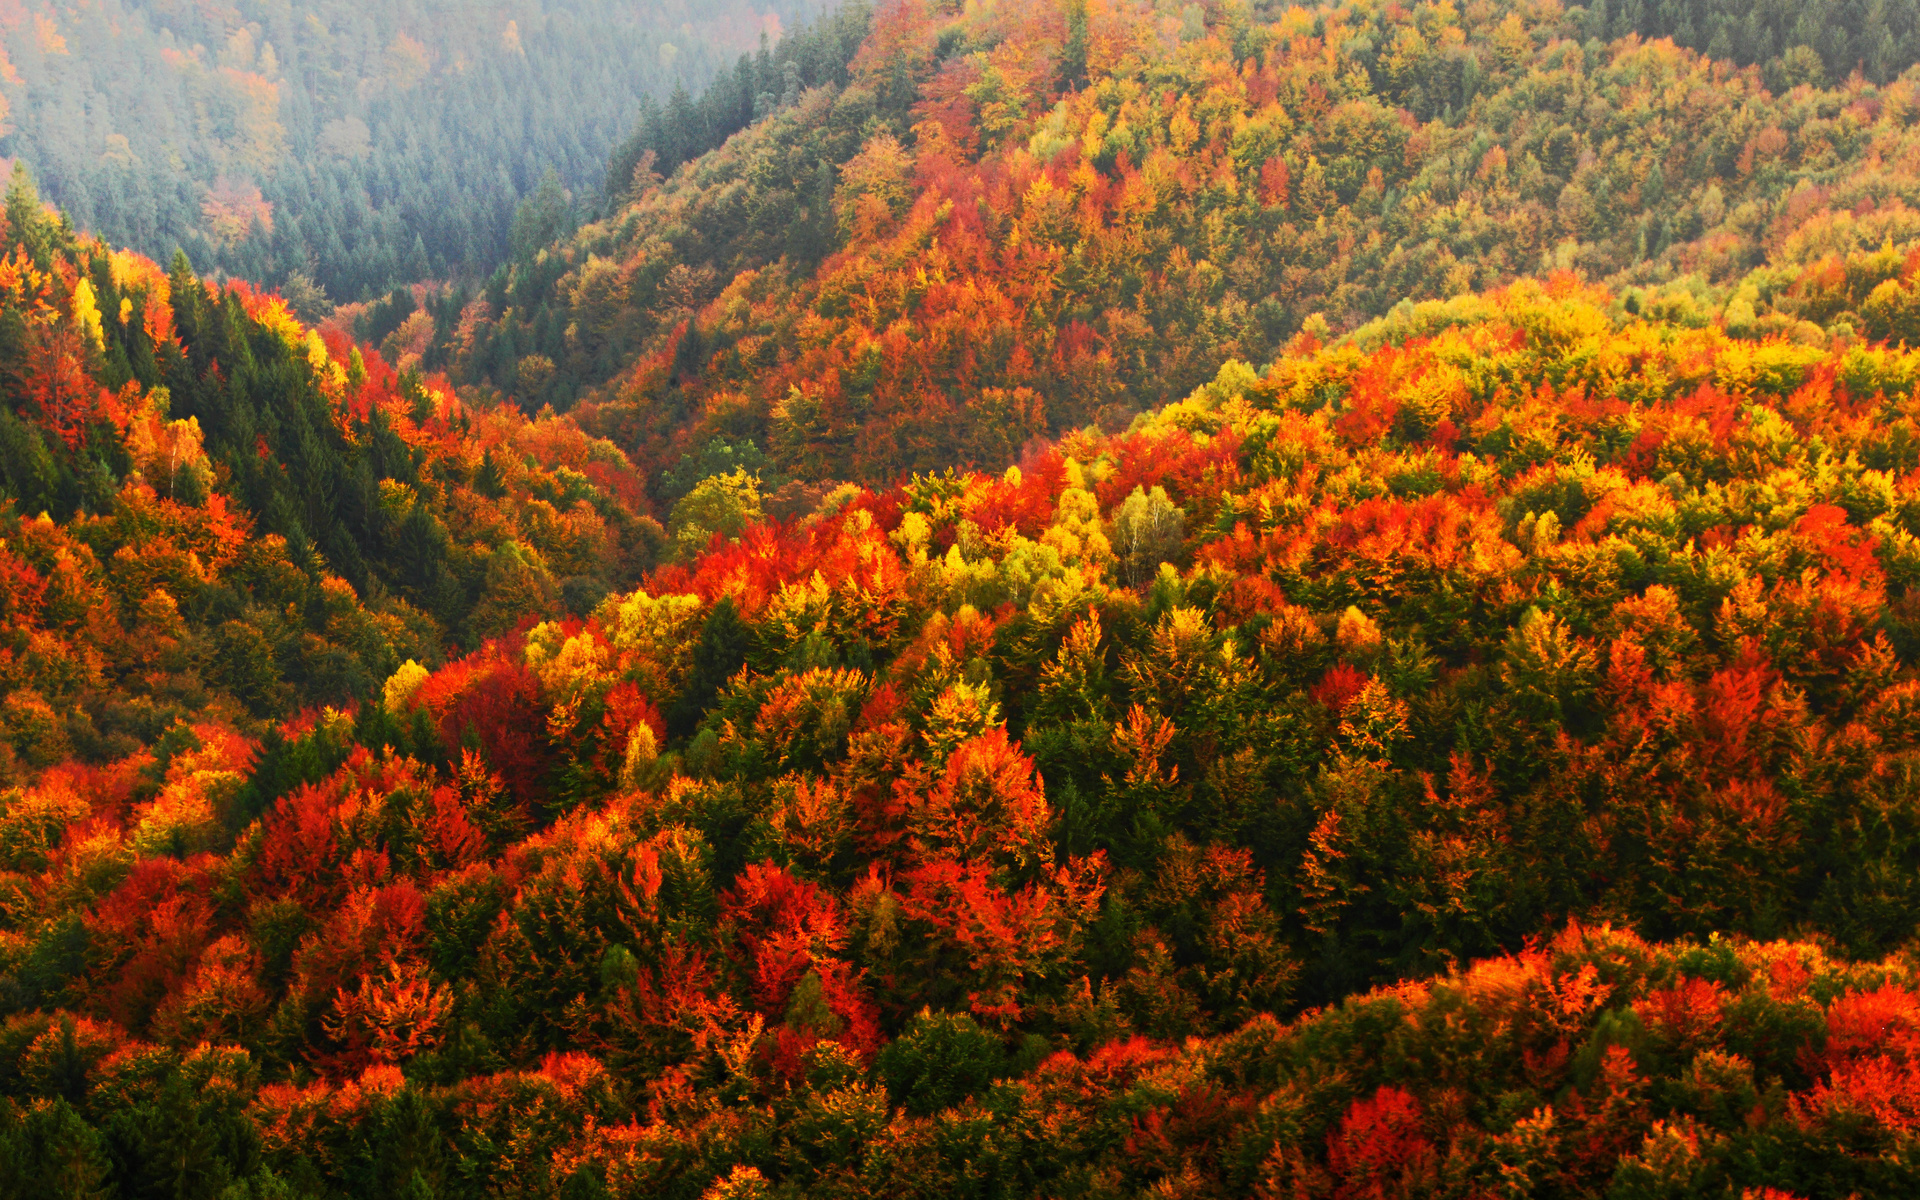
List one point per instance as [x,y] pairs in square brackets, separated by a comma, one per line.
[1109,1069]
[374,924]
[1341,683]
[495,698]
[1188,471]
[671,1005]
[1248,596]
[987,806]
[627,708]
[1878,1088]
[1372,402]
[1614,1111]
[1381,1148]
[1685,1015]
[399,917]
[454,839]
[785,930]
[1276,182]
[782,926]
[57,383]
[109,789]
[1885,1019]
[864,571]
[1848,554]
[22,590]
[1026,506]
[884,704]
[971,931]
[1713,406]
[1381,535]
[1734,715]
[298,855]
[156,923]
[1200,1119]
[621,483]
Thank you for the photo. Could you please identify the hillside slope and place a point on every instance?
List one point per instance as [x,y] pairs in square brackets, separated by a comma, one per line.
[1455,746]
[986,831]
[209,512]
[1013,220]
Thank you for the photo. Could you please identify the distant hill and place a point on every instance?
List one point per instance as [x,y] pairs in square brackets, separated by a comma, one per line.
[360,146]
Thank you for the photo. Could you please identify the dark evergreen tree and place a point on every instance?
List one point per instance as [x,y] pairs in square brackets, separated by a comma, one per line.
[47,1150]
[724,642]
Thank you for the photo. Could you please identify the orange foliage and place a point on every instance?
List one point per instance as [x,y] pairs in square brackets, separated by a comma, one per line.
[1381,1148]
[988,806]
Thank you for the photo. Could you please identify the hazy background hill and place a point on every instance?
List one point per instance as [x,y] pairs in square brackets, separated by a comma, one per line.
[362,145]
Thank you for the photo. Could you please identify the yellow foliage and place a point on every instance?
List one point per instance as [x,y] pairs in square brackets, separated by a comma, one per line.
[1358,633]
[963,711]
[653,637]
[401,685]
[34,821]
[86,314]
[567,666]
[1076,531]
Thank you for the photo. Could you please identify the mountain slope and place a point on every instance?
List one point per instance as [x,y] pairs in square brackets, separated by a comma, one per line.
[1471,753]
[207,510]
[359,146]
[907,840]
[1015,220]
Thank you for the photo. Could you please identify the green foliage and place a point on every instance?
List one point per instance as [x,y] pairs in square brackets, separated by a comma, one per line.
[664,137]
[46,1149]
[1472,755]
[210,518]
[1312,174]
[719,655]
[719,504]
[1795,44]
[1148,530]
[938,1061]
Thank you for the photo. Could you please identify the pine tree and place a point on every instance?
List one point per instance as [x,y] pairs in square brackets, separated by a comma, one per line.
[166,1148]
[47,1150]
[724,641]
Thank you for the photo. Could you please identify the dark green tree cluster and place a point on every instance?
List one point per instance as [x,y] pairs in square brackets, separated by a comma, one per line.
[682,129]
[1795,41]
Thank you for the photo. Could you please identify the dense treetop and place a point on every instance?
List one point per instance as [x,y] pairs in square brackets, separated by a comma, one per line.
[208,510]
[993,831]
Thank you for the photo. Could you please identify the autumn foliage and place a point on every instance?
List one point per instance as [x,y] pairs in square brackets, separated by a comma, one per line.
[1472,755]
[1131,796]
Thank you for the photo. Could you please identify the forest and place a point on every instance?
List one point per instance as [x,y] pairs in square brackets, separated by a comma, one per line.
[335,145]
[1010,221]
[857,732]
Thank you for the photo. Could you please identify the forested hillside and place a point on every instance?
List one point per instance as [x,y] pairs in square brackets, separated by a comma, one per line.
[1009,221]
[991,833]
[207,510]
[1372,649]
[358,145]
